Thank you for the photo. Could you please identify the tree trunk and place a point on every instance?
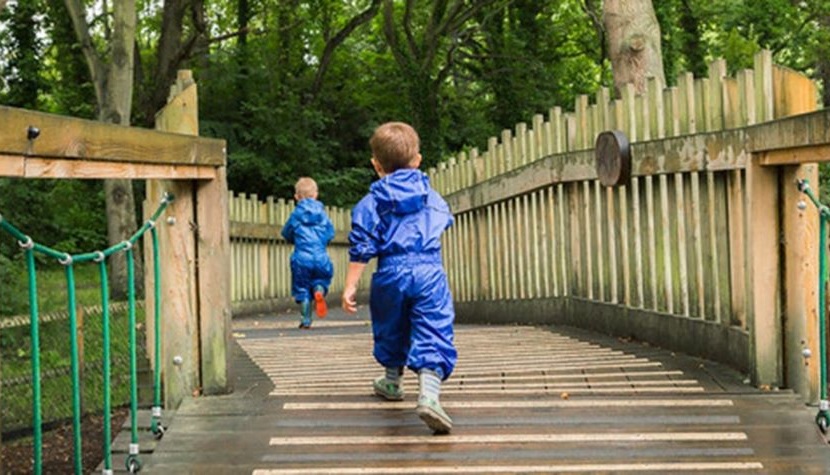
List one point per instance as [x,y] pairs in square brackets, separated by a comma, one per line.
[633,42]
[116,109]
[114,92]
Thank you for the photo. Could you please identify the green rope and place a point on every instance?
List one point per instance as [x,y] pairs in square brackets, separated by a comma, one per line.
[74,363]
[822,320]
[37,423]
[155,424]
[69,260]
[133,358]
[105,335]
[823,416]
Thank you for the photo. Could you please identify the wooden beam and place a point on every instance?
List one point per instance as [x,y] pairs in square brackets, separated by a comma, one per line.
[67,137]
[764,271]
[35,167]
[180,325]
[12,165]
[213,250]
[804,130]
[716,151]
[796,155]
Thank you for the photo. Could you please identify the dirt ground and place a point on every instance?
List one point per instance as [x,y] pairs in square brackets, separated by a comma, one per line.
[57,447]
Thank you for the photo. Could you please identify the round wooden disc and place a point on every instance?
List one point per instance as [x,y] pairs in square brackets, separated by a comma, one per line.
[613,154]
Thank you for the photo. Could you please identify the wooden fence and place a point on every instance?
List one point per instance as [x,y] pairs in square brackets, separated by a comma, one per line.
[260,272]
[665,257]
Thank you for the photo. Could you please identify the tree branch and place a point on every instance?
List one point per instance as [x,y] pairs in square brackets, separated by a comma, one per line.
[331,45]
[96,68]
[433,31]
[390,33]
[407,27]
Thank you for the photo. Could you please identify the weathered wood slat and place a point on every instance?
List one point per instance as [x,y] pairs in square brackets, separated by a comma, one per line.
[67,137]
[680,213]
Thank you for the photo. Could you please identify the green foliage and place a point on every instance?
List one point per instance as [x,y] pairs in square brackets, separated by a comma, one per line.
[23,49]
[66,215]
[13,298]
[289,106]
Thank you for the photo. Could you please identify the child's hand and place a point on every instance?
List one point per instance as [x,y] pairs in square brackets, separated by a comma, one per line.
[349,299]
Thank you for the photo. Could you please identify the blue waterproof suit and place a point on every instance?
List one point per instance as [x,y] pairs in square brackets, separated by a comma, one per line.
[310,230]
[400,222]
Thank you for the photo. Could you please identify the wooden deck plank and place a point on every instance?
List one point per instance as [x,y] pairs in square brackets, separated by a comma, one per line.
[729,423]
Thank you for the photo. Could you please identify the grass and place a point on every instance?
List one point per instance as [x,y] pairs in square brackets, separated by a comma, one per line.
[15,352]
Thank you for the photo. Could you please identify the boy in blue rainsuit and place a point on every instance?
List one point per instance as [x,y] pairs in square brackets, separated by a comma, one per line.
[400,222]
[310,230]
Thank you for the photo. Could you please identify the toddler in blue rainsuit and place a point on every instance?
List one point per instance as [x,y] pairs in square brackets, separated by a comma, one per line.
[310,230]
[400,222]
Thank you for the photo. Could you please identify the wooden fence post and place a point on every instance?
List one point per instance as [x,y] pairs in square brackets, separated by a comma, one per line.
[795,94]
[214,282]
[194,260]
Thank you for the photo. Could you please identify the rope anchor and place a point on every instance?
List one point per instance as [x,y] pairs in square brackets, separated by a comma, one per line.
[27,244]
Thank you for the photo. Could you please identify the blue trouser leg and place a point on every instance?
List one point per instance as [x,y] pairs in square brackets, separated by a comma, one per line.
[412,318]
[431,318]
[390,327]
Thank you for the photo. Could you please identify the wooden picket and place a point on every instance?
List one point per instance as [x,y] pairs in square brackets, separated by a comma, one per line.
[260,272]
[672,240]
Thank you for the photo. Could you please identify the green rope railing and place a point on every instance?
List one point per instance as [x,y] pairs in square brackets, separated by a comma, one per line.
[823,415]
[69,261]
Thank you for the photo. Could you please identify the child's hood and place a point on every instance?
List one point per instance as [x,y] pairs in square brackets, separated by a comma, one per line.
[402,192]
[310,211]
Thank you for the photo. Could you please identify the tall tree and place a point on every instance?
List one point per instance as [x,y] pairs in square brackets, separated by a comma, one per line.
[177,42]
[424,42]
[112,72]
[633,42]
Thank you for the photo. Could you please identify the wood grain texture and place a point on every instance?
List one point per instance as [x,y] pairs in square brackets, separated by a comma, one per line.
[67,137]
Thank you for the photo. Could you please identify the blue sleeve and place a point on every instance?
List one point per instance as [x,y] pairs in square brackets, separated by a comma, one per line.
[363,244]
[288,229]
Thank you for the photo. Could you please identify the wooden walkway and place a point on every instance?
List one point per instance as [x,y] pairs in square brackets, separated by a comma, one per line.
[524,400]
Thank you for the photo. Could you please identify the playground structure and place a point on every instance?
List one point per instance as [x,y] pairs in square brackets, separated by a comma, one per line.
[188,252]
[706,250]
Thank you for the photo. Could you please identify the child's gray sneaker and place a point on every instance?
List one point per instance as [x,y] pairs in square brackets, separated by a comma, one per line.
[433,415]
[388,389]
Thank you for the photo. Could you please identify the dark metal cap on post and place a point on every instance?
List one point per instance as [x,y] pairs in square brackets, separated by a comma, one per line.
[613,153]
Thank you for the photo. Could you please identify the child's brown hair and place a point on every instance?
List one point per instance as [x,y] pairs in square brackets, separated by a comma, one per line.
[395,145]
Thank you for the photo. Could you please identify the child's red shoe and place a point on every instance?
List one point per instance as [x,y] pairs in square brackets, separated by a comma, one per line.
[320,304]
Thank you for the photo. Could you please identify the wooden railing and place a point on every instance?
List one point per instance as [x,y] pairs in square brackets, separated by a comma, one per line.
[260,272]
[666,256]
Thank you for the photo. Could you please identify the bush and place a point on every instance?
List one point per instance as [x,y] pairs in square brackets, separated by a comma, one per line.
[13,290]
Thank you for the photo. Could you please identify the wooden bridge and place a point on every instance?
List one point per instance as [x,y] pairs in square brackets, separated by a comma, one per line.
[666,324]
[525,399]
